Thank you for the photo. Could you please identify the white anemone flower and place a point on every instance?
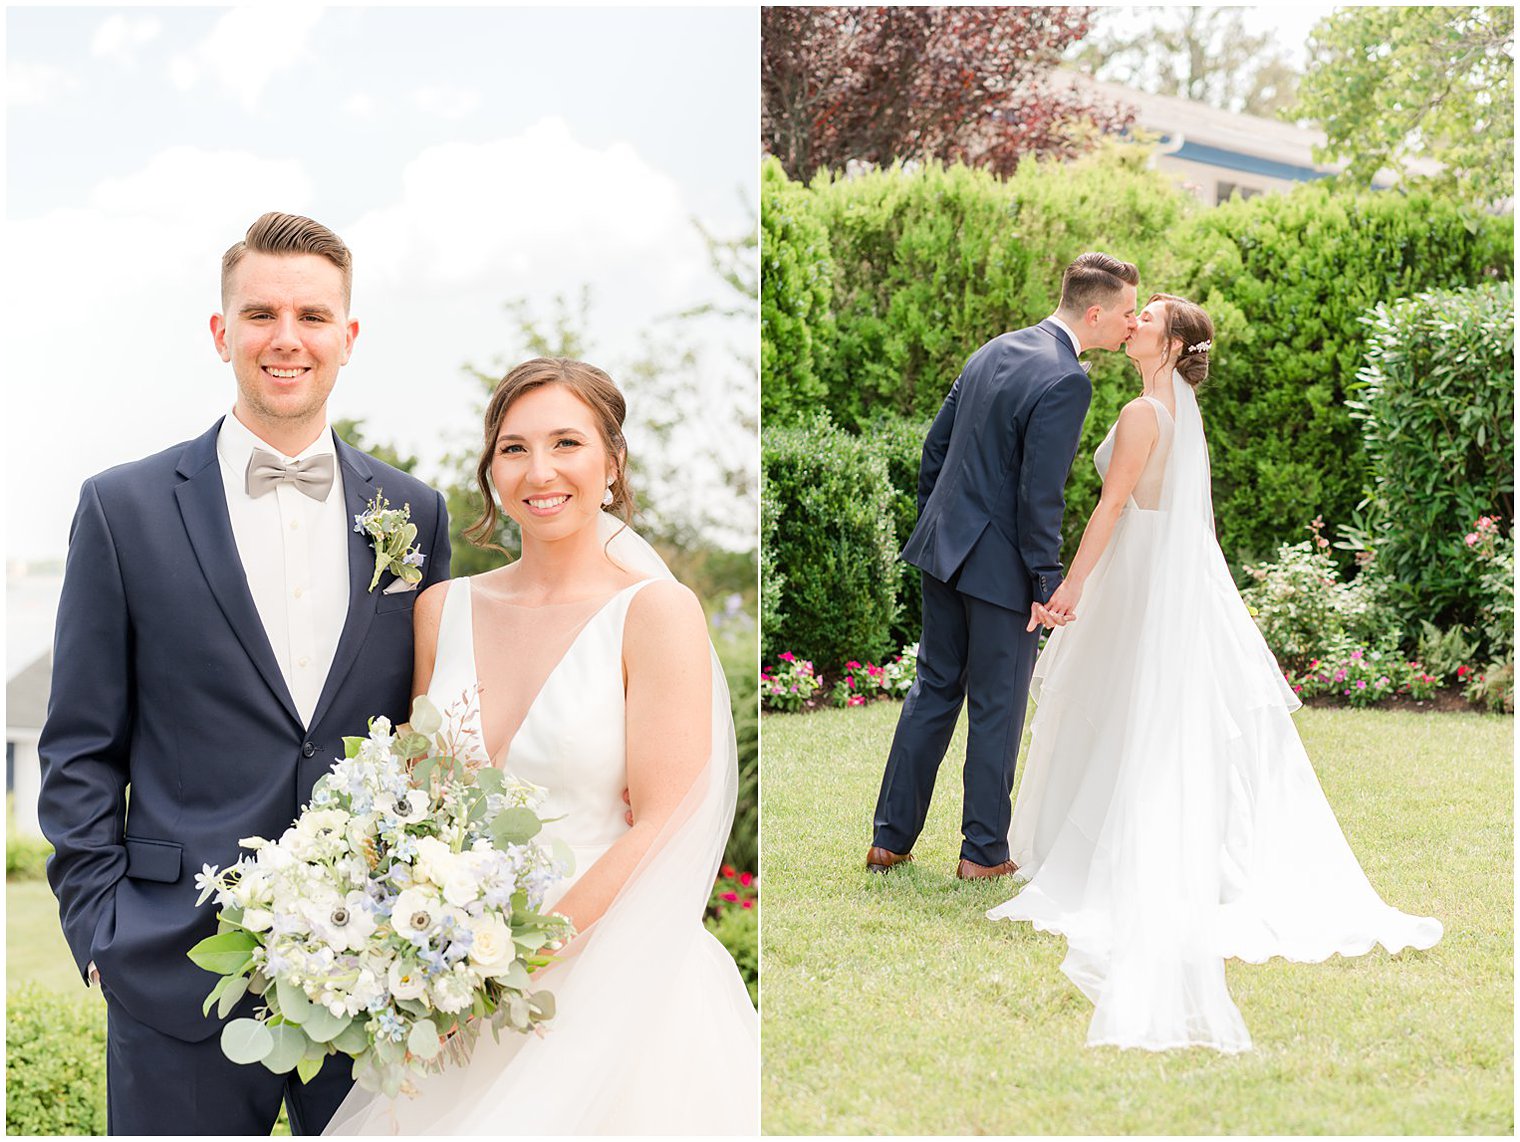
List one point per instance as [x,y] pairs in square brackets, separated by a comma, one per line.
[415,914]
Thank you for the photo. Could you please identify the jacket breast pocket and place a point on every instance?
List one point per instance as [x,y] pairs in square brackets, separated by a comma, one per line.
[153,860]
[398,601]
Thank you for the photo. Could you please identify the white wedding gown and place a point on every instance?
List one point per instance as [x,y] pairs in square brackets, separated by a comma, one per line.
[1168,816]
[654,1032]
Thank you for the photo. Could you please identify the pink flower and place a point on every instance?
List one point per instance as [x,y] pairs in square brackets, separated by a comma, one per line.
[746,878]
[1340,675]
[1383,681]
[1356,655]
[727,870]
[1463,671]
[788,656]
[1298,689]
[746,904]
[1471,539]
[1361,685]
[731,897]
[856,700]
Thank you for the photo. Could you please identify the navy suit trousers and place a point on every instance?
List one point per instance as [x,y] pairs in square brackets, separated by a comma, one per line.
[970,651]
[157,1084]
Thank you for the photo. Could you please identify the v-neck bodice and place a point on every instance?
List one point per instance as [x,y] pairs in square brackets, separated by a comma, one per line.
[1147,491]
[571,739]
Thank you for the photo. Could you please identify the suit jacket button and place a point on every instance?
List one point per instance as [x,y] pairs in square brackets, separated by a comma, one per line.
[308,750]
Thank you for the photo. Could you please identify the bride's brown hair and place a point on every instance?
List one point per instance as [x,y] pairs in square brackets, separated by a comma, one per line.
[1187,322]
[600,395]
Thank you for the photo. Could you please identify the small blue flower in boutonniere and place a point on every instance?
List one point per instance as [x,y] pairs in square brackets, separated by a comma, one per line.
[392,534]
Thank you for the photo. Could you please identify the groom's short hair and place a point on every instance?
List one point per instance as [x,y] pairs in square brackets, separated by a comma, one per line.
[1094,279]
[276,233]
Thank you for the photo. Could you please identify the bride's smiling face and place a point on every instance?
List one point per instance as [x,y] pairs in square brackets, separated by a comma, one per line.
[551,465]
[1148,342]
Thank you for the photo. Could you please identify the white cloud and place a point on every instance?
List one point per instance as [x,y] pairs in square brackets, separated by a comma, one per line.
[446,102]
[359,105]
[33,84]
[119,37]
[246,50]
[187,185]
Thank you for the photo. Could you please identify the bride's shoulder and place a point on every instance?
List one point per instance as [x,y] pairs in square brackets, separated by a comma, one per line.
[664,617]
[1138,419]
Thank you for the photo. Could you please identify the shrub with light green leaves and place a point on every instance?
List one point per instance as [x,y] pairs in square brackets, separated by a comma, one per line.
[833,542]
[1436,402]
[796,273]
[55,1063]
[25,857]
[899,441]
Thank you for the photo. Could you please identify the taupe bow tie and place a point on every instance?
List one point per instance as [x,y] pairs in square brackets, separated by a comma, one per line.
[1086,366]
[312,476]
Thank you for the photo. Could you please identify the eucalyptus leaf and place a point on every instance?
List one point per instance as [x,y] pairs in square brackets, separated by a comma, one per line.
[543,1003]
[517,1012]
[515,976]
[412,745]
[246,1041]
[490,779]
[423,1041]
[258,983]
[235,987]
[289,1047]
[215,994]
[353,1038]
[323,1026]
[351,747]
[293,1002]
[514,826]
[425,716]
[423,770]
[307,1069]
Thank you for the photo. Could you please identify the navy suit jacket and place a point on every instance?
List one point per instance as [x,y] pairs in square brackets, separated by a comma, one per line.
[164,684]
[995,463]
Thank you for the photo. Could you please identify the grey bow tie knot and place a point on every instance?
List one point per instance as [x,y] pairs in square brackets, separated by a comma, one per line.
[1086,366]
[312,477]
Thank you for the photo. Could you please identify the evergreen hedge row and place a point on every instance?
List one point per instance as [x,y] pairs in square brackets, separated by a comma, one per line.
[55,1062]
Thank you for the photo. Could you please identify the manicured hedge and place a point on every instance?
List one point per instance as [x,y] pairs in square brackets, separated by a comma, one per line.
[900,444]
[832,498]
[55,1062]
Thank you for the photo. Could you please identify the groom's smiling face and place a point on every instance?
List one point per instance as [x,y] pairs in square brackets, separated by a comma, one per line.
[286,333]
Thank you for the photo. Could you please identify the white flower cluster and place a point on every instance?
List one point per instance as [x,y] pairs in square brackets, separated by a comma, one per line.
[391,902]
[1200,347]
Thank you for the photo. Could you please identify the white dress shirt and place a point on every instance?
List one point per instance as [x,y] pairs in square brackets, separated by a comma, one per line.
[1076,346]
[295,556]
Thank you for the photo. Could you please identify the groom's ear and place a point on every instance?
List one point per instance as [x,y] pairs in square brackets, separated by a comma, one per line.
[219,336]
[352,331]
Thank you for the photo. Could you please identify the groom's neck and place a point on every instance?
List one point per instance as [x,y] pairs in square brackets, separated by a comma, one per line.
[1072,321]
[287,437]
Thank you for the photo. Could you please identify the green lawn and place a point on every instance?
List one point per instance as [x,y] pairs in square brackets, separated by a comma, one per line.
[890,1005]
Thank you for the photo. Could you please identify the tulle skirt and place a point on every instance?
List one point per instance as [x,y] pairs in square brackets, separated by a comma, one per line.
[1165,824]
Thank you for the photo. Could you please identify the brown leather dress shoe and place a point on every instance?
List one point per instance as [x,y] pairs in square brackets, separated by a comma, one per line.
[879,859]
[969,870]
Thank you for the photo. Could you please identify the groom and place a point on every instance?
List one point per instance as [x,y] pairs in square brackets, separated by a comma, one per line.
[988,542]
[216,639]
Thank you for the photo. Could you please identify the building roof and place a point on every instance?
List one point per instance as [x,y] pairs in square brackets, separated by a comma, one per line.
[26,695]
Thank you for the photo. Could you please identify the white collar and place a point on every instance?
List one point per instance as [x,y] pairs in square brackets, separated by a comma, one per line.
[1076,346]
[236,441]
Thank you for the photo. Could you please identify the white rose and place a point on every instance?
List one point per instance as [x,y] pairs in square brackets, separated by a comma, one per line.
[434,860]
[257,919]
[491,950]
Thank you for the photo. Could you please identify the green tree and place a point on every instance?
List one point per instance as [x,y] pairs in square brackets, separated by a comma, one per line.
[1389,85]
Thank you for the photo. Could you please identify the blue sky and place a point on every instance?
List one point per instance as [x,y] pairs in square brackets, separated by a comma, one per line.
[468,156]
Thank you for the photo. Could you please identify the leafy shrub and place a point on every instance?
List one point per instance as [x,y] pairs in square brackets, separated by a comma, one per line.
[796,271]
[1303,608]
[1444,652]
[1437,406]
[25,857]
[772,577]
[738,652]
[1358,676]
[1287,279]
[833,542]
[1495,554]
[55,1062]
[899,441]
[1493,688]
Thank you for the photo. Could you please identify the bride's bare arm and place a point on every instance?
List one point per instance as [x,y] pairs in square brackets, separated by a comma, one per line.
[427,611]
[667,661]
[1133,441]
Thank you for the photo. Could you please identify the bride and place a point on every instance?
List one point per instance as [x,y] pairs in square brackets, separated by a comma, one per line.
[1168,816]
[595,675]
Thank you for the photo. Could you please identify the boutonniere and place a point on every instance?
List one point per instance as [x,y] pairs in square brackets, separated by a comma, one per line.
[392,534]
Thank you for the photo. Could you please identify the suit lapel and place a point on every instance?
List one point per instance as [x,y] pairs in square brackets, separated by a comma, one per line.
[203,507]
[358,490]
[1059,334]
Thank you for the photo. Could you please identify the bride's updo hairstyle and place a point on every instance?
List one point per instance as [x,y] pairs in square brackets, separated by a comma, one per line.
[1188,323]
[596,391]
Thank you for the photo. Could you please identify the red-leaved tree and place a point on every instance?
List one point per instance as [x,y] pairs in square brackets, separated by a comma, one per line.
[967,83]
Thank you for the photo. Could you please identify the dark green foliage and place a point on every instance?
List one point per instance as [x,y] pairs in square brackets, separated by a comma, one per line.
[772,578]
[833,537]
[1437,415]
[796,269]
[55,1062]
[25,857]
[900,443]
[1286,279]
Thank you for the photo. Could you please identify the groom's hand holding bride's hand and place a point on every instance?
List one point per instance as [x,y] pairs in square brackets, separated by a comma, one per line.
[1061,609]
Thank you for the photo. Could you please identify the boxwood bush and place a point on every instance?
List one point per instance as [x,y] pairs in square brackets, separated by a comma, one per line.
[55,1062]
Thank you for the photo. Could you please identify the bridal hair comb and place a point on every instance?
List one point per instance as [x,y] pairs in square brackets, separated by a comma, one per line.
[1200,347]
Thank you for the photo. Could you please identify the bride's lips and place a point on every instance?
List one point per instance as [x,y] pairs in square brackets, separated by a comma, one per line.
[547,505]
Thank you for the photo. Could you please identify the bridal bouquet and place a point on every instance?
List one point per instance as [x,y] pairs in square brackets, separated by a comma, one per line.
[405,899]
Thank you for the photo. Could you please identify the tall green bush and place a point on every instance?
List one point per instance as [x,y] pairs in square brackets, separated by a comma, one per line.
[55,1062]
[834,540]
[1287,278]
[899,441]
[1437,409]
[796,269]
